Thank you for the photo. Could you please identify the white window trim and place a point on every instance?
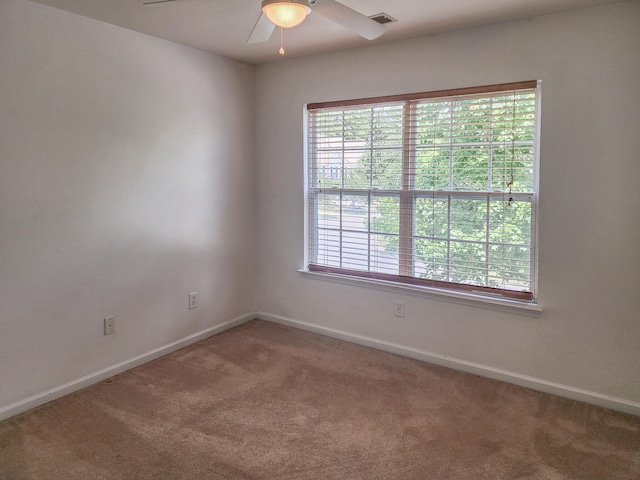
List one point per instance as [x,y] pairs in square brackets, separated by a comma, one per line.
[436,293]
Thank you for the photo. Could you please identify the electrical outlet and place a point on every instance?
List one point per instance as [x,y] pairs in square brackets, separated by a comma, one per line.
[109,325]
[193,300]
[399,308]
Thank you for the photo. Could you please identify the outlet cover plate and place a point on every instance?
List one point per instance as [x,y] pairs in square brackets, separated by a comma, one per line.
[193,300]
[399,312]
[109,325]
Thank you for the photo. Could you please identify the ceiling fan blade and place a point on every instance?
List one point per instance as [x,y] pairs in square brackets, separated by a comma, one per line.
[262,30]
[349,18]
[156,2]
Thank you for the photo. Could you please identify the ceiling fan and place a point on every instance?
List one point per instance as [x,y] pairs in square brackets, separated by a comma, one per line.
[290,13]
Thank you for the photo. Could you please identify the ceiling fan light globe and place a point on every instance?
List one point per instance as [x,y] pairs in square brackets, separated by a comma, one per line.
[286,14]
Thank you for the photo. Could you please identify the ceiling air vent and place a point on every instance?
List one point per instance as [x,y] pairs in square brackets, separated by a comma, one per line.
[383,18]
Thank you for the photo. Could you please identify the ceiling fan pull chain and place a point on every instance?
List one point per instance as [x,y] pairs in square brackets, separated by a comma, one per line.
[281,51]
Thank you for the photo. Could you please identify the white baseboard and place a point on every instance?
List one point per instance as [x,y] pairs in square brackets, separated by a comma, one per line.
[95,377]
[566,391]
[594,398]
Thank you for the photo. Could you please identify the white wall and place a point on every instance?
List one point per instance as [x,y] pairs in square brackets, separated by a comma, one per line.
[588,337]
[126,180]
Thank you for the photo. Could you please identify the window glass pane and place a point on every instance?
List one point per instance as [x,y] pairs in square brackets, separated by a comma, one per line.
[355,212]
[431,259]
[384,254]
[387,169]
[510,222]
[512,163]
[432,217]
[357,125]
[328,247]
[327,124]
[468,262]
[327,170]
[355,247]
[433,123]
[471,122]
[433,168]
[470,168]
[357,167]
[386,126]
[385,219]
[328,215]
[385,214]
[513,118]
[509,267]
[468,219]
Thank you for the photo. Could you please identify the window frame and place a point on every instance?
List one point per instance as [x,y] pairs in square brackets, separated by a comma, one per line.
[408,195]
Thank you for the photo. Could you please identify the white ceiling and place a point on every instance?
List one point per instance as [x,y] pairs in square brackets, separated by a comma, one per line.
[222,26]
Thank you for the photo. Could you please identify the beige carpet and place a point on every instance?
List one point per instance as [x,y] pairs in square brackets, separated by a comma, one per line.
[264,401]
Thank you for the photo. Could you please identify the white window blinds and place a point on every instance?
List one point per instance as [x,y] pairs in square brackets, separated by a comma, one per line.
[435,189]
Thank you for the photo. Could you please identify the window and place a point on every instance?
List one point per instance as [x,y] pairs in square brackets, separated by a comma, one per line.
[436,189]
